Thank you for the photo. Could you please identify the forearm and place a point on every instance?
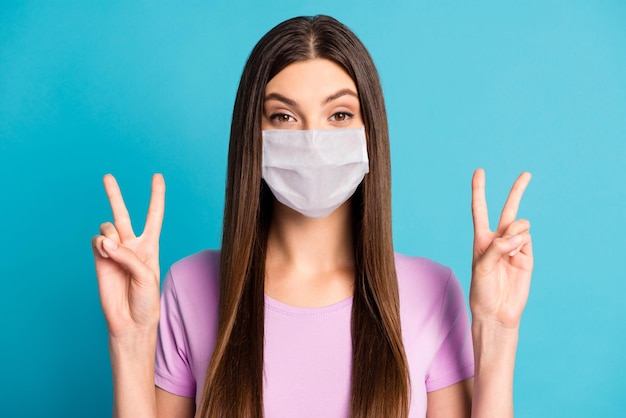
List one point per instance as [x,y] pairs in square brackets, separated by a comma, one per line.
[132,362]
[494,354]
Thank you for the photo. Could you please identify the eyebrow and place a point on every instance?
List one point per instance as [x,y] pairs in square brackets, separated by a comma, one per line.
[290,102]
[280,98]
[341,93]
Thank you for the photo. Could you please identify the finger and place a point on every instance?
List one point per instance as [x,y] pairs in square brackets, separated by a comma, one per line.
[96,246]
[525,240]
[499,248]
[120,213]
[523,259]
[509,212]
[154,220]
[128,260]
[517,227]
[108,230]
[480,214]
[527,248]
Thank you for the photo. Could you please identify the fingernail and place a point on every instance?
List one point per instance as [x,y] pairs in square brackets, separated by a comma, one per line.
[515,240]
[109,244]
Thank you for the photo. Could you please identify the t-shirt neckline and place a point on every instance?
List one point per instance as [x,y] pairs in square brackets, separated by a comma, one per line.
[283,308]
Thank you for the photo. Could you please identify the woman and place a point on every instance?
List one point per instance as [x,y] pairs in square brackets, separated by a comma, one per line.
[306,311]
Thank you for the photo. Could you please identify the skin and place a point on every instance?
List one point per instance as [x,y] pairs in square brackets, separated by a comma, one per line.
[310,261]
[314,94]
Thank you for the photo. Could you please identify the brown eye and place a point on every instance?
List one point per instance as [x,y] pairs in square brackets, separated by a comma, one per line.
[282,118]
[341,116]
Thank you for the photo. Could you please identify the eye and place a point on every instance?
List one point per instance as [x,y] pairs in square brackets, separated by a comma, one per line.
[282,118]
[341,116]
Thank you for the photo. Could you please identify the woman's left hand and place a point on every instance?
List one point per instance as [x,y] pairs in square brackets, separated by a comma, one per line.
[503,260]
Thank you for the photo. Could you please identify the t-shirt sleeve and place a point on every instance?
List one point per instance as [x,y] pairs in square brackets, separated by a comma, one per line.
[172,371]
[454,359]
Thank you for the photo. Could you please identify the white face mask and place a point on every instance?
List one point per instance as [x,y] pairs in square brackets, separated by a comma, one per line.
[314,172]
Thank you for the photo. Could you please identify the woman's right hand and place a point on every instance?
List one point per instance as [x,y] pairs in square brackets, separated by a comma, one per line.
[127,266]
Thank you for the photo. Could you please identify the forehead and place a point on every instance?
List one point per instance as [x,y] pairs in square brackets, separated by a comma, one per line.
[314,77]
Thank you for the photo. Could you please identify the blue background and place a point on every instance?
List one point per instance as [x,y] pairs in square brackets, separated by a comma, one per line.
[133,88]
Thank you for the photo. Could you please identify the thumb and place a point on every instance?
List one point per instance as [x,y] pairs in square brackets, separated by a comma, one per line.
[129,261]
[499,247]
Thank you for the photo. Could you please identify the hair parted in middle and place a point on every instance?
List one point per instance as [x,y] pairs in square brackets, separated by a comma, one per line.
[380,377]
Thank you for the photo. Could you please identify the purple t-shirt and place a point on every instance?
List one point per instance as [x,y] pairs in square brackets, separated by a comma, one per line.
[308,351]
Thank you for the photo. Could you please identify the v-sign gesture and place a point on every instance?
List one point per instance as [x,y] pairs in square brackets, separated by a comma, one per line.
[503,259]
[127,266]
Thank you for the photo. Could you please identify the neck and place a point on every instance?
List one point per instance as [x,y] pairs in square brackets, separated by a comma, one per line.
[310,261]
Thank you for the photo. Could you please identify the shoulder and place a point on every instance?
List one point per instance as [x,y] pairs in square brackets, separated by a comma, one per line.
[202,263]
[419,271]
[188,323]
[194,276]
[435,323]
[426,287]
[190,299]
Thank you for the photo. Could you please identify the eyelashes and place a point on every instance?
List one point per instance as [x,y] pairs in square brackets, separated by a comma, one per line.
[341,116]
[282,118]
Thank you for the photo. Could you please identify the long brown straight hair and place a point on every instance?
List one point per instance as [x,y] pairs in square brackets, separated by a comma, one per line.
[380,378]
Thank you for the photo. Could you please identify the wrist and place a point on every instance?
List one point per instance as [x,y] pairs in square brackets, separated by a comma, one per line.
[132,362]
[492,327]
[493,339]
[495,349]
[134,351]
[502,320]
